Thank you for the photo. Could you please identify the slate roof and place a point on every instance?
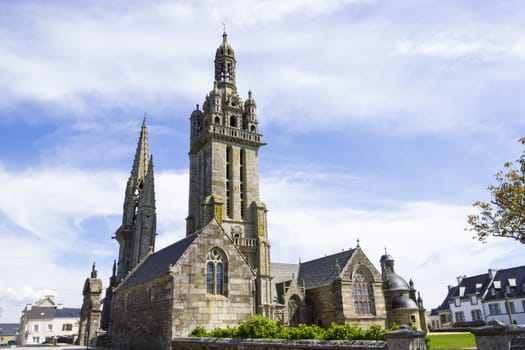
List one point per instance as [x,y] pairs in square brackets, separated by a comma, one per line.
[49,312]
[7,329]
[283,272]
[517,274]
[322,271]
[157,264]
[467,286]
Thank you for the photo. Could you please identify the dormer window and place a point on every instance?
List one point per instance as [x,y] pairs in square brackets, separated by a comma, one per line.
[497,284]
[512,282]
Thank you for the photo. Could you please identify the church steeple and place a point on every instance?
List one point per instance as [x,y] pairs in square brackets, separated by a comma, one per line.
[224,174]
[137,232]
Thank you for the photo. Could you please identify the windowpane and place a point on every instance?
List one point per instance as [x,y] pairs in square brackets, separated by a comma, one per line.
[215,272]
[219,278]
[209,278]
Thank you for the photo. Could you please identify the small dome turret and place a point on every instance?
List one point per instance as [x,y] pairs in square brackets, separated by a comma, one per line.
[250,102]
[396,282]
[404,302]
[225,48]
[197,113]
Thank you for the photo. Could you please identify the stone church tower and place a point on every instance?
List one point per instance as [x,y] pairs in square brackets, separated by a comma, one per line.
[136,235]
[224,175]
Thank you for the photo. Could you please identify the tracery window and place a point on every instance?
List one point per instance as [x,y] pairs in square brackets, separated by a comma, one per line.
[363,293]
[215,272]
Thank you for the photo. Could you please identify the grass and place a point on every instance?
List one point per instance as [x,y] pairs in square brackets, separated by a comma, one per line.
[451,341]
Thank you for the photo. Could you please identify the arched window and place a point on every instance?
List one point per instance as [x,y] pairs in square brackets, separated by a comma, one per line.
[363,293]
[216,272]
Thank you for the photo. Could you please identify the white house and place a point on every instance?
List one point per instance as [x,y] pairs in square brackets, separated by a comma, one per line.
[47,320]
[495,295]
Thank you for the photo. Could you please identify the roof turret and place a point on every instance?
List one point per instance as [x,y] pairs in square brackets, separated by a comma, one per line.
[225,64]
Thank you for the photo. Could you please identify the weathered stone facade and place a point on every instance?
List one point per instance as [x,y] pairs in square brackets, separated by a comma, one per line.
[166,295]
[224,146]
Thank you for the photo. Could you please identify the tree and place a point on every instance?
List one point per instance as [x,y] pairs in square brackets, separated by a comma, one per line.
[504,215]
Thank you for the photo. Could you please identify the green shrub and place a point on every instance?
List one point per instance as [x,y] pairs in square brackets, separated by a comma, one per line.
[225,332]
[260,327]
[303,331]
[199,332]
[375,332]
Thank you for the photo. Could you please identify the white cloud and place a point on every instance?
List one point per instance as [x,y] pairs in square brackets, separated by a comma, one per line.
[331,62]
[426,239]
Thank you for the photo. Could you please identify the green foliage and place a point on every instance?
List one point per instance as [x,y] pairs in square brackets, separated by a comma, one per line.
[225,332]
[199,332]
[262,327]
[375,332]
[504,215]
[303,331]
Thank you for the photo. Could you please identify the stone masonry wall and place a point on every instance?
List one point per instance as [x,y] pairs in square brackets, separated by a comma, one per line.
[192,305]
[323,303]
[142,316]
[270,344]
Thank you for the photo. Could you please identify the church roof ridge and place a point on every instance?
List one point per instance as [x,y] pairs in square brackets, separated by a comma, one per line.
[157,263]
[321,271]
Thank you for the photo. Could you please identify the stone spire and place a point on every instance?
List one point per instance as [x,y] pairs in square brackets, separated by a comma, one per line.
[146,220]
[138,220]
[140,163]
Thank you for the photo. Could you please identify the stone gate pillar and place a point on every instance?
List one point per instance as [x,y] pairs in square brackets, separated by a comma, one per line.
[406,338]
[496,335]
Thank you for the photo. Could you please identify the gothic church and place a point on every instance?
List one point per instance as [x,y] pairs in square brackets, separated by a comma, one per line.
[220,272]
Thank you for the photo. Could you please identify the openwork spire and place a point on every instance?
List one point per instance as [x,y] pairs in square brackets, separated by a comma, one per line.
[140,163]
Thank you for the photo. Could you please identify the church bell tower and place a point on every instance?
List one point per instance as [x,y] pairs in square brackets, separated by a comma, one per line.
[224,175]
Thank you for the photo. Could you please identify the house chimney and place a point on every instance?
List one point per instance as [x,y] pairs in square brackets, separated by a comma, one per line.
[460,278]
[492,273]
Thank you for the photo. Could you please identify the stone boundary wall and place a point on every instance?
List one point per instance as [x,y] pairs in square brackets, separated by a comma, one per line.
[273,344]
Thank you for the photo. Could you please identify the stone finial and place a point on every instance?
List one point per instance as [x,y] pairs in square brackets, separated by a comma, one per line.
[337,267]
[93,271]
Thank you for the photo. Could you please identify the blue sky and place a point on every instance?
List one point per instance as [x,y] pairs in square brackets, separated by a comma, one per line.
[385,121]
